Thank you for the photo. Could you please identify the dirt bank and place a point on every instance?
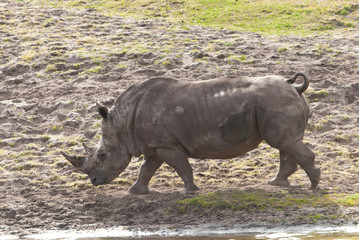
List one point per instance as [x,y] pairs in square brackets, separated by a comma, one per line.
[54,65]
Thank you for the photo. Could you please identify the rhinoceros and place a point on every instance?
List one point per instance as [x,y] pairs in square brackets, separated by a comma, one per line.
[167,120]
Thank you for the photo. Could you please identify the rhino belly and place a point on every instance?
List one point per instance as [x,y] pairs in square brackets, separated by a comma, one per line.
[226,143]
[225,150]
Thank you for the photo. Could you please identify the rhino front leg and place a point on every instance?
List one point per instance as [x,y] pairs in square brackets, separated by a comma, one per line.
[287,167]
[179,161]
[147,170]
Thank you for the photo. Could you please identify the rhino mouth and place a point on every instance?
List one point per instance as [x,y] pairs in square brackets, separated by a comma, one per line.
[100,179]
[96,180]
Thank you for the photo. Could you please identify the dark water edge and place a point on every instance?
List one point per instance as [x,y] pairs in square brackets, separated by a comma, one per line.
[336,236]
[304,232]
[289,236]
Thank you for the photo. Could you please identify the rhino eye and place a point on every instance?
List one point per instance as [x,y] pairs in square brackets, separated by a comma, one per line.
[101,156]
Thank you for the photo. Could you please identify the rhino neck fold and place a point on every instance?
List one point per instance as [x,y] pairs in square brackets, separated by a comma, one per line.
[125,123]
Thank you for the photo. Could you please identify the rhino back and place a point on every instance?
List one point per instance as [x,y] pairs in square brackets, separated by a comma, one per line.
[206,119]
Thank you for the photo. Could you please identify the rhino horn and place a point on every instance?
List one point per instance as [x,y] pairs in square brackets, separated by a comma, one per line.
[76,161]
[88,150]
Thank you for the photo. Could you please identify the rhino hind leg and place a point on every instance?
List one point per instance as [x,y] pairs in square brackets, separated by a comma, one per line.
[284,132]
[287,167]
[179,161]
[305,158]
[147,170]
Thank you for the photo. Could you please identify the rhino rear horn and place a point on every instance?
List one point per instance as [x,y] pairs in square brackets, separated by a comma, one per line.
[76,161]
[88,150]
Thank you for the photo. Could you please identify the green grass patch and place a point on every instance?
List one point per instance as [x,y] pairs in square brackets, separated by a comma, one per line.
[56,128]
[29,55]
[282,17]
[78,176]
[316,96]
[80,184]
[95,70]
[350,200]
[258,200]
[26,166]
[261,200]
[51,68]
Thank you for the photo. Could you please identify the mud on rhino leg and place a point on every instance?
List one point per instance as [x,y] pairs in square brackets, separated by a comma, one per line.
[147,170]
[287,167]
[179,161]
[305,158]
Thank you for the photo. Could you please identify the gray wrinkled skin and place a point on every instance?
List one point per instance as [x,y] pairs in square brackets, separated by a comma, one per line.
[169,121]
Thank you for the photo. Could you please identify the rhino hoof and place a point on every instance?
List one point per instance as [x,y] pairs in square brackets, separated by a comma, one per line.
[192,188]
[279,182]
[315,178]
[139,189]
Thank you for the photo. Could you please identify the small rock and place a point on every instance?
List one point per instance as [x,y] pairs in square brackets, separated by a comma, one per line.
[14,81]
[148,56]
[350,97]
[71,73]
[221,56]
[61,66]
[16,69]
[61,117]
[62,225]
[11,214]
[90,134]
[72,123]
[328,83]
[199,55]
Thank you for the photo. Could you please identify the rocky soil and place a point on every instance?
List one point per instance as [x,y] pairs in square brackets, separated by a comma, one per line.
[56,63]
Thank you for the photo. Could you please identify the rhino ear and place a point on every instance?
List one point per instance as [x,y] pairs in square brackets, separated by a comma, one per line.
[102,110]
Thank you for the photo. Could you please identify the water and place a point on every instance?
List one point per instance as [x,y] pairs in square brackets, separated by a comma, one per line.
[305,232]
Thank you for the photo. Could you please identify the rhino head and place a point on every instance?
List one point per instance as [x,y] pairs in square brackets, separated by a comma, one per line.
[105,162]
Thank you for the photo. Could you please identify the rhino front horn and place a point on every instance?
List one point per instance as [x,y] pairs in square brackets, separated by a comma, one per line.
[76,161]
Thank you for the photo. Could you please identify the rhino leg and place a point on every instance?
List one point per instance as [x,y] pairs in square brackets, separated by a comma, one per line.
[284,132]
[147,170]
[287,167]
[179,161]
[305,158]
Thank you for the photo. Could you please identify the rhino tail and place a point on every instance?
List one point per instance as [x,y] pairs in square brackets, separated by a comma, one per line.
[301,88]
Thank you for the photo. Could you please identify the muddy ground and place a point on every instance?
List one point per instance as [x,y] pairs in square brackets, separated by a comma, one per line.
[54,65]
